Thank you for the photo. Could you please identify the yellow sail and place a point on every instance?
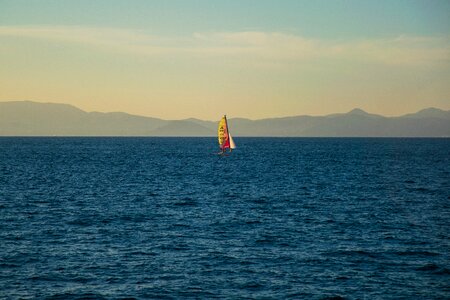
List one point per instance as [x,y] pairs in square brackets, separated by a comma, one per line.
[222,132]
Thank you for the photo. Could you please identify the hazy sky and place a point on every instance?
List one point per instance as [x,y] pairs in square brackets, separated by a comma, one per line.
[255,59]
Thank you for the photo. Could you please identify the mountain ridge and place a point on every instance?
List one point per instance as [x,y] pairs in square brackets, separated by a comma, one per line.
[29,118]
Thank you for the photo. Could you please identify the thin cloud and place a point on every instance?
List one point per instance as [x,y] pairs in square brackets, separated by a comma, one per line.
[105,38]
[266,48]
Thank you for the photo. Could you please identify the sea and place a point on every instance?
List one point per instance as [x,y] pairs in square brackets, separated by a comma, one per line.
[278,218]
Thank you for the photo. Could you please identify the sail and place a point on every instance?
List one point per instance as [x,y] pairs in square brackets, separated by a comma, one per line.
[222,132]
[225,139]
[232,144]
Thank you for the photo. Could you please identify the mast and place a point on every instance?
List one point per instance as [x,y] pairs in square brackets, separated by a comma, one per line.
[228,130]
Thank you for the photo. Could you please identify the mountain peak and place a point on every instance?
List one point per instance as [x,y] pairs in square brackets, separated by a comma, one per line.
[430,112]
[358,111]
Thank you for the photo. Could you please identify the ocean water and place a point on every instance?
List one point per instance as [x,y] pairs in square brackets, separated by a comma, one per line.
[166,218]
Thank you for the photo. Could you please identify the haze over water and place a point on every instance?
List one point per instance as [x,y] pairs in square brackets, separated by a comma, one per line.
[278,218]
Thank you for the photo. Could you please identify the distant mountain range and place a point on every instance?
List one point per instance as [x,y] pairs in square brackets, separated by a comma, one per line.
[27,118]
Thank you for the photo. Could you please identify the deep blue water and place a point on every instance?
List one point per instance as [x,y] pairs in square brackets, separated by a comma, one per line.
[278,218]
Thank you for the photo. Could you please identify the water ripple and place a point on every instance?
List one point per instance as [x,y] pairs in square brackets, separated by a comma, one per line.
[139,218]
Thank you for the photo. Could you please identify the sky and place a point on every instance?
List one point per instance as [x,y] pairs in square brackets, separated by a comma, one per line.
[176,59]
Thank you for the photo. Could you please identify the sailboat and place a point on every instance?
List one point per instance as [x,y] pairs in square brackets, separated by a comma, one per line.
[225,138]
